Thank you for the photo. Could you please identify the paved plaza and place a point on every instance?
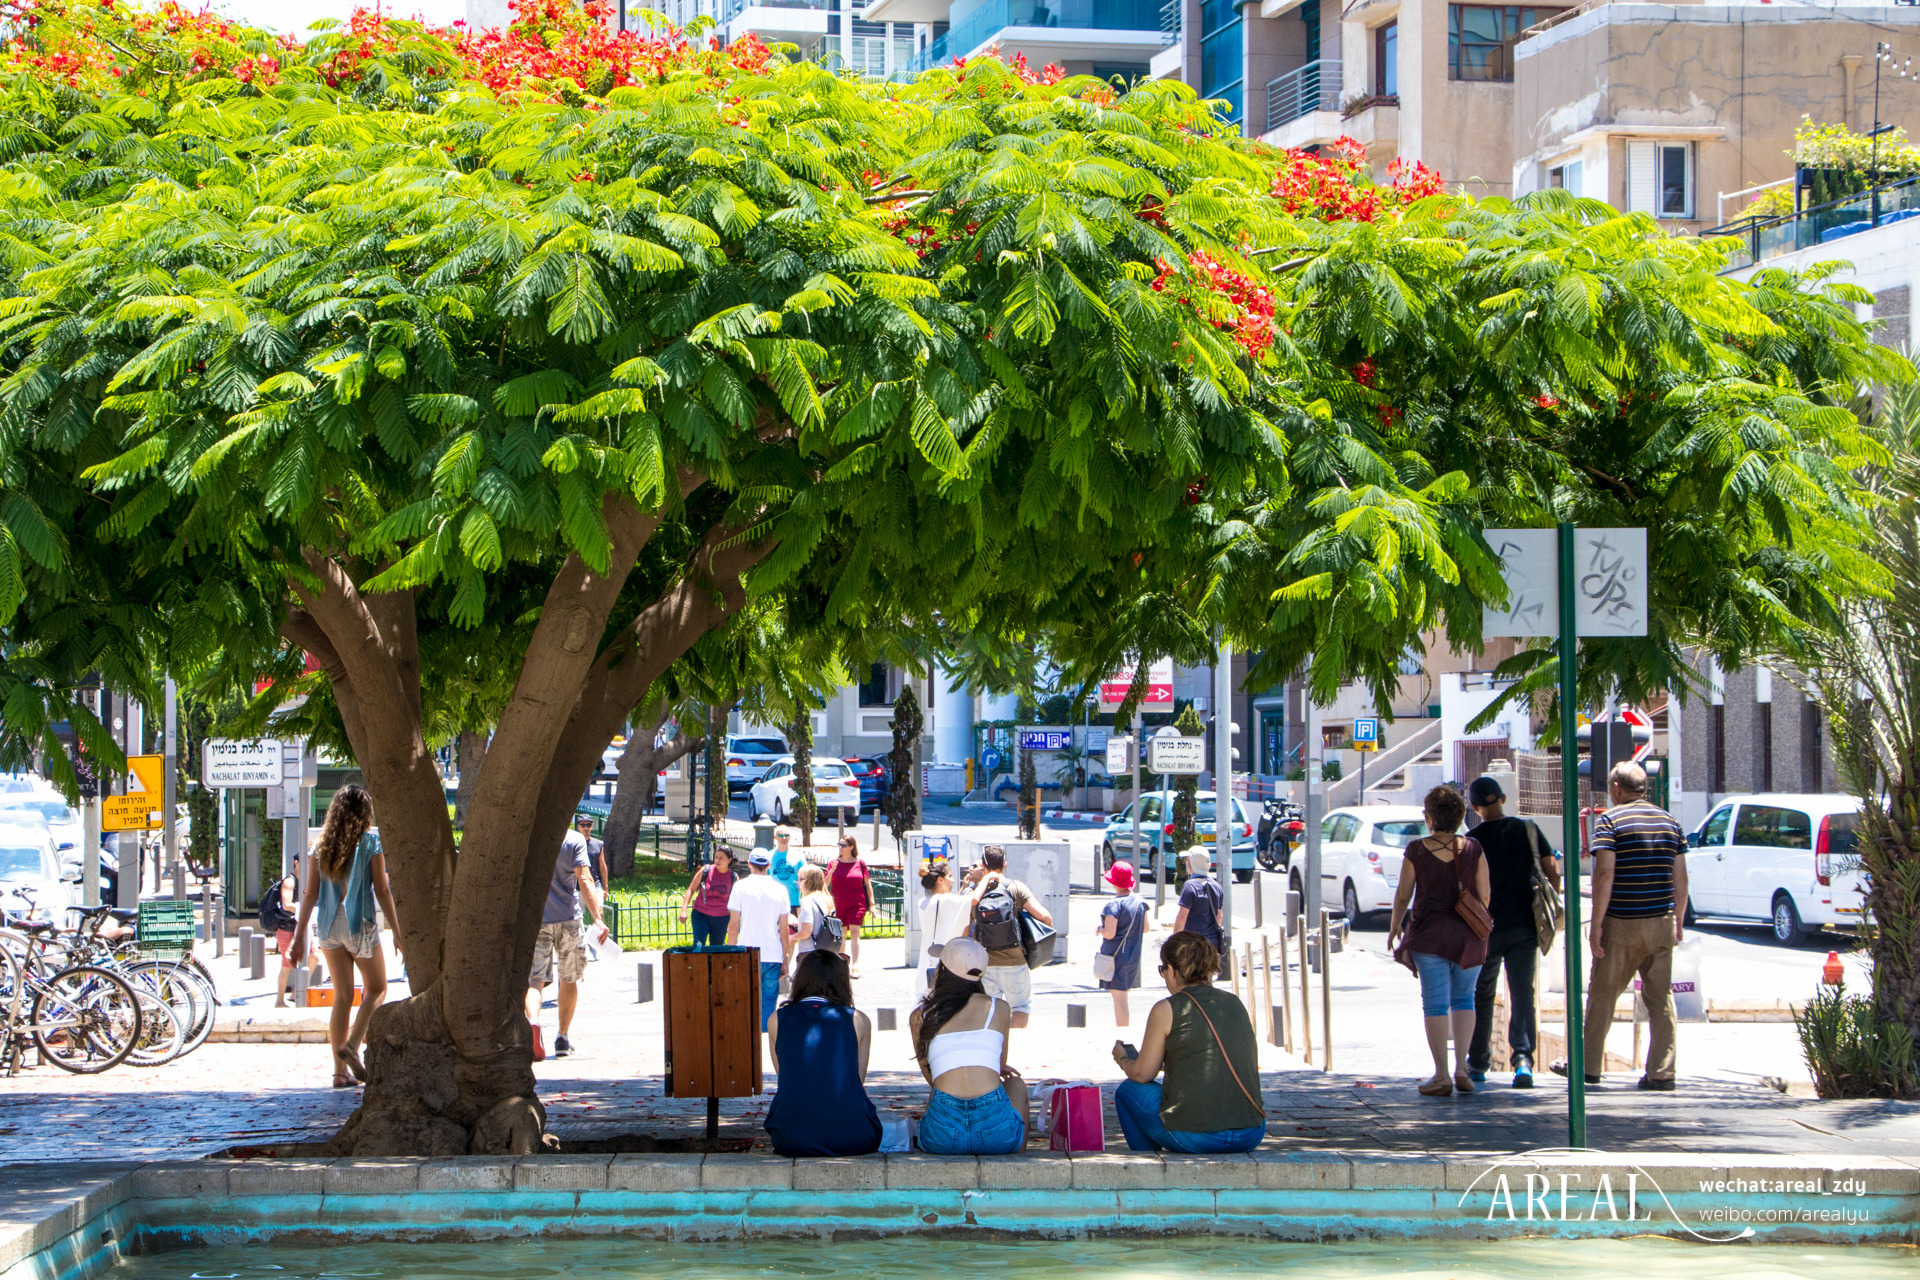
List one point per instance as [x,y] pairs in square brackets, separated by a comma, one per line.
[258,1093]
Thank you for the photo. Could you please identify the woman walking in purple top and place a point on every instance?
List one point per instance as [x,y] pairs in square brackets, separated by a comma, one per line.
[1438,944]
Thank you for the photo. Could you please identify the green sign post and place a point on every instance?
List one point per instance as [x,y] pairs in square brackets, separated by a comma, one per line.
[1563,584]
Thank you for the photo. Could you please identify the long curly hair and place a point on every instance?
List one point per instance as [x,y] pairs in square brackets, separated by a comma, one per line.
[348,818]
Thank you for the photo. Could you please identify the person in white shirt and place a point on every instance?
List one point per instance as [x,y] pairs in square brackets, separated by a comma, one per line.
[760,915]
[943,914]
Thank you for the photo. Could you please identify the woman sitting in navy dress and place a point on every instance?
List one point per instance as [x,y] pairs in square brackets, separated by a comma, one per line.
[820,1047]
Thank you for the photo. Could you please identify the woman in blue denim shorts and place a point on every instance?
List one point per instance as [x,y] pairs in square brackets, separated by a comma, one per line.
[979,1103]
[1438,944]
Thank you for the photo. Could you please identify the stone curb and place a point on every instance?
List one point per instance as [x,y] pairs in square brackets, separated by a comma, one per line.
[70,1221]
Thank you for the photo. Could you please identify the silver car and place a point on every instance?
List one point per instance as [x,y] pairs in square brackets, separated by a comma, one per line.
[28,861]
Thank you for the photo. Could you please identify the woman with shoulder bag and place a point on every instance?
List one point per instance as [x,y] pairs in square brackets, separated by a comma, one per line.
[1203,1038]
[1444,938]
[1123,927]
[706,898]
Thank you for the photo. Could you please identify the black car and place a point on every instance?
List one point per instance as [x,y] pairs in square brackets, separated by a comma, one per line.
[875,777]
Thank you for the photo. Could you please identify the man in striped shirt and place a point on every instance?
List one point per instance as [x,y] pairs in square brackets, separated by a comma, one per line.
[1639,910]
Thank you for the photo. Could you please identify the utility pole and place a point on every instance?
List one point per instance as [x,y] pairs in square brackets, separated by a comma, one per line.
[1223,828]
[1316,800]
[170,750]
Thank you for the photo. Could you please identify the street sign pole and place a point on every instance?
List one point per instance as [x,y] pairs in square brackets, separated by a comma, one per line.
[1223,787]
[169,750]
[1570,838]
[1139,746]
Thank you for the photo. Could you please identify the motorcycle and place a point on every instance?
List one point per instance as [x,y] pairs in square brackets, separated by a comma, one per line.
[1283,825]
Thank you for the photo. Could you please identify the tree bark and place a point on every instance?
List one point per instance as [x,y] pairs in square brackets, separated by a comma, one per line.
[800,735]
[469,751]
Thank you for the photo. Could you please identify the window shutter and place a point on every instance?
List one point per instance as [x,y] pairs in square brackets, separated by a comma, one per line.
[1643,177]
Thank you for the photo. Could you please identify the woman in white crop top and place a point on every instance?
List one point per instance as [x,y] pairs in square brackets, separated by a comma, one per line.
[979,1103]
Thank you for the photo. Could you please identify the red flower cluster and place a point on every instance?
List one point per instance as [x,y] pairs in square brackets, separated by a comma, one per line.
[1048,74]
[1335,186]
[1251,322]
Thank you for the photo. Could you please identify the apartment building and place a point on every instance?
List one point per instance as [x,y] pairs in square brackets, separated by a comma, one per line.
[1083,37]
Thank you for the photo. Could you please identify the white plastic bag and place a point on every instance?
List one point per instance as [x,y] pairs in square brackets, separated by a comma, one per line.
[897,1134]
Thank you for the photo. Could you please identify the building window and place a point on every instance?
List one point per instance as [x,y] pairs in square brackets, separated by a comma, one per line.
[1222,71]
[878,689]
[1481,37]
[1717,751]
[1660,179]
[1386,60]
[1310,16]
[1766,745]
[1565,177]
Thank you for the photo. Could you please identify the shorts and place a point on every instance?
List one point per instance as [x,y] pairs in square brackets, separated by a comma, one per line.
[983,1126]
[562,941]
[1012,983]
[283,939]
[360,946]
[1444,986]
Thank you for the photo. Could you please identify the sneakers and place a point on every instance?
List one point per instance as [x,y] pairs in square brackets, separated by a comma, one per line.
[1522,1074]
[1559,1068]
[1478,1077]
[539,1045]
[1656,1086]
[562,1046]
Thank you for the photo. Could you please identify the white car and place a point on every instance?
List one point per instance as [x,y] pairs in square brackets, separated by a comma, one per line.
[1361,849]
[748,758]
[834,787]
[63,820]
[1790,860]
[28,861]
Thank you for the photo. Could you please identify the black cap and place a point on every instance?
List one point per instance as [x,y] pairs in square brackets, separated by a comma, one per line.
[1485,791]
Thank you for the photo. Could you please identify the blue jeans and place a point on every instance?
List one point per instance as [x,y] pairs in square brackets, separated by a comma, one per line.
[769,991]
[1444,986]
[983,1126]
[708,931]
[1138,1108]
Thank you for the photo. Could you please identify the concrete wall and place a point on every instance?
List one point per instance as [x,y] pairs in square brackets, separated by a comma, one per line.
[1733,81]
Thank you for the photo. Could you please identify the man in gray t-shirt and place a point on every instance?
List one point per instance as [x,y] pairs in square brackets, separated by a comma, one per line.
[562,944]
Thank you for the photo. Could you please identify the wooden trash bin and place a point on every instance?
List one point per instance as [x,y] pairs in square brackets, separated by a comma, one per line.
[713,1021]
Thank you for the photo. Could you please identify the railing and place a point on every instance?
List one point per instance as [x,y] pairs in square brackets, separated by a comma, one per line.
[1314,87]
[652,922]
[1771,237]
[995,16]
[731,8]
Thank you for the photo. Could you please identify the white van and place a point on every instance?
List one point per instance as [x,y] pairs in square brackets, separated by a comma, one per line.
[1788,859]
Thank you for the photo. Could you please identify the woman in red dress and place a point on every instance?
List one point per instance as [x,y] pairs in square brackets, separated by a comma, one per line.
[852,890]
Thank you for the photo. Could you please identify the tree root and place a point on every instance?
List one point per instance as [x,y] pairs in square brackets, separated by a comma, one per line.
[424,1097]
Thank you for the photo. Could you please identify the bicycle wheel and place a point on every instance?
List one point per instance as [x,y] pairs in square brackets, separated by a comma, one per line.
[160,1038]
[85,1020]
[185,992]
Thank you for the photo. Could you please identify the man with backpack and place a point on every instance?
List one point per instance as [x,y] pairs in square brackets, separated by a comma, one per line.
[993,919]
[1520,869]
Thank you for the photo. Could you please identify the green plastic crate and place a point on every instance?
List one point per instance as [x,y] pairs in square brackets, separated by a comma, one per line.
[165,928]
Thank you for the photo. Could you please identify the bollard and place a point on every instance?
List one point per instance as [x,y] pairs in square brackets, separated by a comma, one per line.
[645,976]
[887,1019]
[179,882]
[1259,900]
[257,957]
[242,947]
[1295,908]
[1306,992]
[297,989]
[1076,1015]
[1326,998]
[1276,1015]
[876,830]
[1232,964]
[1250,995]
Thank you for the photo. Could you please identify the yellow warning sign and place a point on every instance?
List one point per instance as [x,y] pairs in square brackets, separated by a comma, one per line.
[141,809]
[137,812]
[147,773]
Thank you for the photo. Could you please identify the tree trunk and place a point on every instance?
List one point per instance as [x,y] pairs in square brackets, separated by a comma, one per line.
[639,769]
[800,735]
[469,751]
[450,1068]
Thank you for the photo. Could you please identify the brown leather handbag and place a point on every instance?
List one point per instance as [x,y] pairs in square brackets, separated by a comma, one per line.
[1466,904]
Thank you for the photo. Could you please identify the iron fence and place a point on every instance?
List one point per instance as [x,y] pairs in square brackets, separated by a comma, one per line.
[1314,87]
[651,922]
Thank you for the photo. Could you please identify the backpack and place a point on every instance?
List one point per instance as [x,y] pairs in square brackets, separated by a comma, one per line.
[996,919]
[274,917]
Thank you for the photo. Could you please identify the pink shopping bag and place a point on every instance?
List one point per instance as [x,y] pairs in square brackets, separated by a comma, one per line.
[1076,1123]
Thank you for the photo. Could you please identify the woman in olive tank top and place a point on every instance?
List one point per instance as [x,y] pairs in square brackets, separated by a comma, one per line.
[1202,1037]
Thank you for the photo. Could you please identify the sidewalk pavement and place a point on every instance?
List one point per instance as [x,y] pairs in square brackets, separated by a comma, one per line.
[255,1093]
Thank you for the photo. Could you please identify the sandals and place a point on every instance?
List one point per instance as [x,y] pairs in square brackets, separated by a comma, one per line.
[1437,1089]
[350,1059]
[1461,1084]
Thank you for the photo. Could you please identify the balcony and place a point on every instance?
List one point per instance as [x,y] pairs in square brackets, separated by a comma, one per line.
[797,21]
[1053,30]
[1763,238]
[1314,87]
